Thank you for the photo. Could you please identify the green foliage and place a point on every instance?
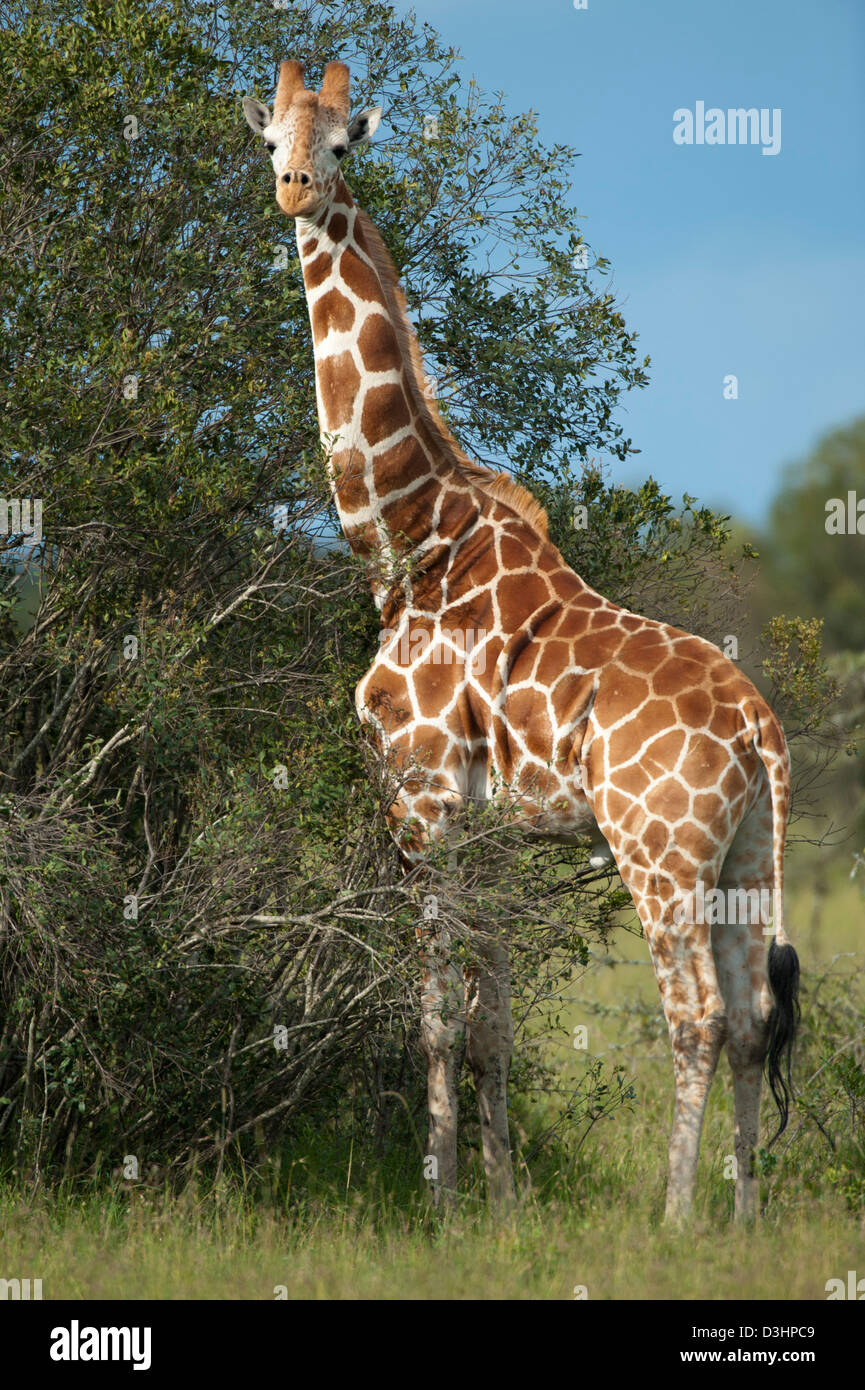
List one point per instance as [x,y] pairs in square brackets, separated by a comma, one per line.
[796,666]
[829,1139]
[821,575]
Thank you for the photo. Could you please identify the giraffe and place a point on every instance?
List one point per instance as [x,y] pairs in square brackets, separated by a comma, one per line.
[526,685]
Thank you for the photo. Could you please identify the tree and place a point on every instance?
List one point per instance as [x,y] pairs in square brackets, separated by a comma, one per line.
[815,571]
[820,572]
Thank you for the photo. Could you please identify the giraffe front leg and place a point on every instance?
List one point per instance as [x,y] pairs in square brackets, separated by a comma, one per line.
[488,1052]
[443,1041]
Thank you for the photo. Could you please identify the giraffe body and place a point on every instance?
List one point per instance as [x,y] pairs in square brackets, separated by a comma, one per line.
[502,677]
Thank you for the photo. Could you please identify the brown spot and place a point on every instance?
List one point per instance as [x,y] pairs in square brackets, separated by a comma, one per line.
[316,272]
[399,465]
[690,648]
[543,785]
[385,411]
[360,277]
[668,799]
[602,620]
[632,779]
[554,659]
[662,753]
[475,564]
[696,842]
[338,380]
[571,697]
[676,676]
[706,807]
[565,584]
[520,595]
[704,762]
[637,879]
[723,722]
[678,866]
[433,687]
[515,556]
[377,343]
[597,649]
[348,471]
[526,714]
[694,708]
[457,510]
[486,679]
[623,694]
[337,226]
[387,697]
[646,650]
[433,742]
[410,515]
[654,718]
[333,313]
[616,806]
[771,735]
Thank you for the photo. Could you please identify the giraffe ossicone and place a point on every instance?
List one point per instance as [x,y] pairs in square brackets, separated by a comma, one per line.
[588,720]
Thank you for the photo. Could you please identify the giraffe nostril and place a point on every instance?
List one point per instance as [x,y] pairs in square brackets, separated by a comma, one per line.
[286,178]
[304,178]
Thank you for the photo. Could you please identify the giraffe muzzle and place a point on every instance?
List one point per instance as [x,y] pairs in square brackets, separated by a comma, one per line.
[296,192]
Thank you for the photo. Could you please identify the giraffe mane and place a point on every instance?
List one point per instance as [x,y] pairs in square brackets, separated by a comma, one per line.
[501,486]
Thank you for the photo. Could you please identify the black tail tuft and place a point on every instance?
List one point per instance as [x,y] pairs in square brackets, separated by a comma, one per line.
[783,1022]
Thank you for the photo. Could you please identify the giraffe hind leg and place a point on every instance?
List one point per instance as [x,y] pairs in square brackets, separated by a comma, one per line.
[740,955]
[684,965]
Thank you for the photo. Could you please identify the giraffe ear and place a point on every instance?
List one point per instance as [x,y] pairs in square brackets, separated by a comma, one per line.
[364,125]
[256,113]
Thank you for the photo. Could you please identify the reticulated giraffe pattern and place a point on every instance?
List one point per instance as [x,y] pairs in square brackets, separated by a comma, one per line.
[501,676]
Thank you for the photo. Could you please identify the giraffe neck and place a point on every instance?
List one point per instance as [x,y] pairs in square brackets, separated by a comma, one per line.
[400,499]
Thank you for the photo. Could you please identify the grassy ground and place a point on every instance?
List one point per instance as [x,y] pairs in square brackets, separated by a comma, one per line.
[352,1225]
[159,1250]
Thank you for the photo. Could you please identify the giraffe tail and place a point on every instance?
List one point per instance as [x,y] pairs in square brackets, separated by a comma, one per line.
[783,964]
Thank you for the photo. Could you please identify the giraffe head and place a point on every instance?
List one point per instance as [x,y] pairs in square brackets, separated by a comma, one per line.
[308,135]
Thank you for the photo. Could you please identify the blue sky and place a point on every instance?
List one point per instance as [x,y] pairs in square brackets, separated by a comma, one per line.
[725,260]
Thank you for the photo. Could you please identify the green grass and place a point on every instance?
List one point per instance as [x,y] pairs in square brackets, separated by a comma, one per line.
[159,1248]
[341,1222]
